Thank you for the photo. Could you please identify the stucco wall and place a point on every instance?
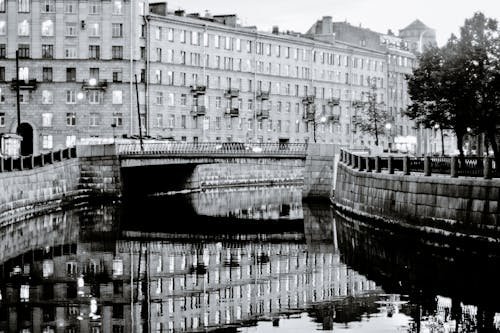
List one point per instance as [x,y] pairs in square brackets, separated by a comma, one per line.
[463,205]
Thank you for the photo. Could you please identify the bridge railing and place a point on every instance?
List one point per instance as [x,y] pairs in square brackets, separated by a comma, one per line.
[451,165]
[212,148]
[8,164]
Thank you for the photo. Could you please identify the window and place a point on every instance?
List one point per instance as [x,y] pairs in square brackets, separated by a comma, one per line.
[170,34]
[47,51]
[23,28]
[48,6]
[69,7]
[195,40]
[159,120]
[2,119]
[94,52]
[70,97]
[117,52]
[183,101]
[70,74]
[71,118]
[118,121]
[159,98]
[3,51]
[70,52]
[24,73]
[158,33]
[71,142]
[3,28]
[117,29]
[171,99]
[117,75]
[158,54]
[47,97]
[158,76]
[171,121]
[170,78]
[117,96]
[94,119]
[94,97]
[70,30]
[47,142]
[117,7]
[24,50]
[48,28]
[94,73]
[47,74]
[183,36]
[2,5]
[95,30]
[46,119]
[23,6]
[94,8]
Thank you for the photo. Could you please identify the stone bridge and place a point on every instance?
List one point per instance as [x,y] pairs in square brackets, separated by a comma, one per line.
[31,184]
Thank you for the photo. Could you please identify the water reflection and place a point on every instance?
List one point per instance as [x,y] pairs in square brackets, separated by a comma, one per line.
[105,269]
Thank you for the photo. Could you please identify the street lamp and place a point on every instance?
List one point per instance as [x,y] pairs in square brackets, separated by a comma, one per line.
[388,127]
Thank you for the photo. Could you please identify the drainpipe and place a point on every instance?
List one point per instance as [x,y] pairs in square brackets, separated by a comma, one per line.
[148,45]
[131,87]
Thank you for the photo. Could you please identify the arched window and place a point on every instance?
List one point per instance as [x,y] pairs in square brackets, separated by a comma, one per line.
[48,28]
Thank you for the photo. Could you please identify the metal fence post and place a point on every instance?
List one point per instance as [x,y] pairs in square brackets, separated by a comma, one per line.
[427,166]
[360,163]
[378,164]
[406,165]
[487,165]
[454,167]
[368,166]
[390,164]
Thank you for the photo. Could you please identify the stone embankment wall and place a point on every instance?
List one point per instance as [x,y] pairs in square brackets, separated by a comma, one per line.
[23,193]
[461,206]
[319,173]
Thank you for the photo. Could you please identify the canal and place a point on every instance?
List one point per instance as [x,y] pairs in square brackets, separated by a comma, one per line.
[236,260]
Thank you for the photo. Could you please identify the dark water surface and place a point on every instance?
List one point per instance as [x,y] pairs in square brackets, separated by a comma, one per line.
[245,260]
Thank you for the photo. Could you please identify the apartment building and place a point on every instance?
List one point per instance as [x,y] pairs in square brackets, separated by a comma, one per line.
[199,78]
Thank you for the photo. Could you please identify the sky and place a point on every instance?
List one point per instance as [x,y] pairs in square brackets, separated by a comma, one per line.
[445,16]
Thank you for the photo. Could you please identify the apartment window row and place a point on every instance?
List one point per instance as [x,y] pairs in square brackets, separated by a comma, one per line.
[70,52]
[94,29]
[93,96]
[48,76]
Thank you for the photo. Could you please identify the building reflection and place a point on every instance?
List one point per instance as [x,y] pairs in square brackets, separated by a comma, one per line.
[92,279]
[446,290]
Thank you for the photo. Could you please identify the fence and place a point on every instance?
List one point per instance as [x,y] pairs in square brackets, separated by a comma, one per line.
[213,149]
[35,161]
[453,166]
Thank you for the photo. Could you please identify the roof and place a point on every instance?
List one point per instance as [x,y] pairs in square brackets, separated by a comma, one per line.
[416,25]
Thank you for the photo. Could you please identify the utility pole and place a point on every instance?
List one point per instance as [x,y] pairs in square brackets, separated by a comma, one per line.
[18,104]
[138,113]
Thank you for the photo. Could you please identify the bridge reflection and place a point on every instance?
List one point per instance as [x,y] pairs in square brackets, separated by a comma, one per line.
[102,278]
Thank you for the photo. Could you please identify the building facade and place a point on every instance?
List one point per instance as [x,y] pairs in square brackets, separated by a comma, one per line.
[199,78]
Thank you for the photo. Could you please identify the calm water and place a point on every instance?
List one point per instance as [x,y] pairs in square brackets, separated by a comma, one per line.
[252,260]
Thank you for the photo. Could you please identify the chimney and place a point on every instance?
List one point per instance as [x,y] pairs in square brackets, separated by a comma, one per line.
[158,8]
[326,25]
[179,12]
[276,30]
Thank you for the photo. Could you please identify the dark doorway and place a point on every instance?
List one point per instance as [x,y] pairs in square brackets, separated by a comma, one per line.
[26,131]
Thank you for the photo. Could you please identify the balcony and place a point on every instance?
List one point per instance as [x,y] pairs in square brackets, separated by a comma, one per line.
[358,104]
[263,95]
[308,115]
[198,110]
[231,93]
[334,118]
[198,90]
[333,102]
[232,112]
[30,84]
[308,100]
[263,114]
[95,84]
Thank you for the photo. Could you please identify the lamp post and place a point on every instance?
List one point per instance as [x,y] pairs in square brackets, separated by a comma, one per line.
[388,127]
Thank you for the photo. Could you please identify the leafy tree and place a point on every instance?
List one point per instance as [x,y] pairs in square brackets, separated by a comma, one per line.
[457,86]
[373,116]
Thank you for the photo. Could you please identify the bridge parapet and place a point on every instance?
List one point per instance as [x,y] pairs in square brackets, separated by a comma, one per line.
[215,149]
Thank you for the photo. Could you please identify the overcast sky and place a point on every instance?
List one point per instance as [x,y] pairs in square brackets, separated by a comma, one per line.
[446,16]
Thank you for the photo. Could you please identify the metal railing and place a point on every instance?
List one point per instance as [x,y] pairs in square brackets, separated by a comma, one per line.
[8,164]
[209,149]
[453,166]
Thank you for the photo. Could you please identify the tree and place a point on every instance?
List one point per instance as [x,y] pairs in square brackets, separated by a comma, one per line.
[457,86]
[373,116]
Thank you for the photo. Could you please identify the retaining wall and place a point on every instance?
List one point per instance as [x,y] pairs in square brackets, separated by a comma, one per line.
[468,206]
[320,171]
